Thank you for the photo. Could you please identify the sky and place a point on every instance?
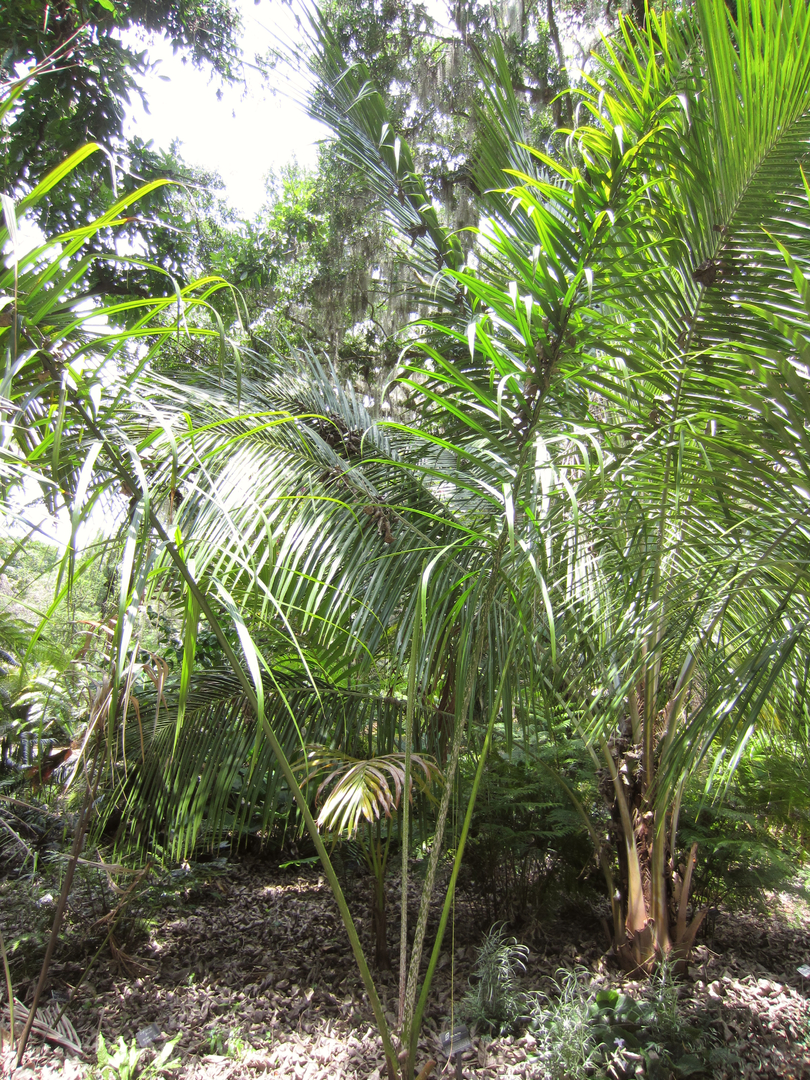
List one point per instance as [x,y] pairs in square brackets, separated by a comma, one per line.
[245,134]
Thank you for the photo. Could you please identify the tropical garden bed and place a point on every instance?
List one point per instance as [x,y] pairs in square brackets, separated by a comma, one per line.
[246,964]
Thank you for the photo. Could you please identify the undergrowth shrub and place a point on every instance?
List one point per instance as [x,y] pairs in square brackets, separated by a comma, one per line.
[582,1032]
[774,779]
[740,854]
[495,1001]
[561,1023]
[528,846]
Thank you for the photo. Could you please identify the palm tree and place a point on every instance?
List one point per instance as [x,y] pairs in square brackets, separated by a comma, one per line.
[592,474]
[627,492]
[359,790]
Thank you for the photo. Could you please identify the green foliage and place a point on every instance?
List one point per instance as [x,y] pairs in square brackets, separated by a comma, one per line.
[41,689]
[78,413]
[741,854]
[358,795]
[495,1001]
[361,789]
[561,1023]
[227,1042]
[612,1034]
[121,1063]
[652,1030]
[594,514]
[429,68]
[311,267]
[774,781]
[81,97]
[527,840]
[44,334]
[423,61]
[32,570]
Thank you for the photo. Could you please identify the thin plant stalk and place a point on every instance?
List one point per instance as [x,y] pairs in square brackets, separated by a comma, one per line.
[78,839]
[451,888]
[479,641]
[405,820]
[409,1033]
[289,776]
[9,989]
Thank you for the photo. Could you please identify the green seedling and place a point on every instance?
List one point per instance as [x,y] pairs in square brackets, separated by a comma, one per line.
[121,1063]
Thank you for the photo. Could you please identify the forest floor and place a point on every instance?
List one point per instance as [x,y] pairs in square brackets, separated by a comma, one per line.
[249,966]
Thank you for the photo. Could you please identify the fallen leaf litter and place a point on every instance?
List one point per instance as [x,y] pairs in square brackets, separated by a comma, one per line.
[249,966]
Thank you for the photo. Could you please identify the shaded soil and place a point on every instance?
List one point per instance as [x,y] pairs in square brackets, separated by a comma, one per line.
[248,966]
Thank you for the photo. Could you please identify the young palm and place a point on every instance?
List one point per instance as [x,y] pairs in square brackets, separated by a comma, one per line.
[358,796]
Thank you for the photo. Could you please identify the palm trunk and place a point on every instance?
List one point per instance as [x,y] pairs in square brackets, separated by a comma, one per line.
[379,925]
[404,835]
[652,930]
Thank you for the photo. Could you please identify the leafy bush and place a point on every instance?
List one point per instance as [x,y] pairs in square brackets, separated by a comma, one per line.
[581,1034]
[774,779]
[526,838]
[567,1047]
[740,855]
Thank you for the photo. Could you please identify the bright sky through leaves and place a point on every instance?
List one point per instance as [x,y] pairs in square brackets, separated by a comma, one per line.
[243,134]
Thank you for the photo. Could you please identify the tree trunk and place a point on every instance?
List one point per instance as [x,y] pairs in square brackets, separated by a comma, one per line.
[654,908]
[379,927]
[639,9]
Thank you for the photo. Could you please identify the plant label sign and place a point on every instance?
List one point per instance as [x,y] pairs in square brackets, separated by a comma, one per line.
[804,971]
[147,1035]
[456,1041]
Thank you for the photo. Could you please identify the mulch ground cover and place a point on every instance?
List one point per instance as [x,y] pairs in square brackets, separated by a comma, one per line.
[247,965]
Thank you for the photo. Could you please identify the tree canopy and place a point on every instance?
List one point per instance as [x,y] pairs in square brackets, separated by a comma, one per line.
[96,69]
[93,63]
